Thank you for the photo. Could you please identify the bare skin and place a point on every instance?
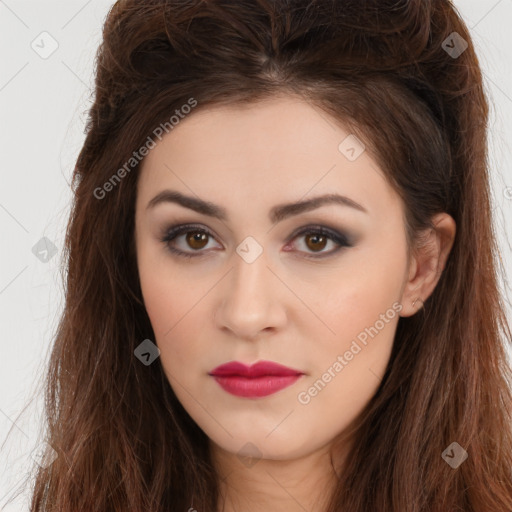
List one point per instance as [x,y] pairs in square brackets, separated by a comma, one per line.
[299,303]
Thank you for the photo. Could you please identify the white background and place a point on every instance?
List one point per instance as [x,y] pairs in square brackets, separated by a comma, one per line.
[43,105]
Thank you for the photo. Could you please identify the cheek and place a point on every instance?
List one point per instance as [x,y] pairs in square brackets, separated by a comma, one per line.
[164,290]
[363,289]
[175,310]
[360,302]
[361,308]
[347,370]
[362,322]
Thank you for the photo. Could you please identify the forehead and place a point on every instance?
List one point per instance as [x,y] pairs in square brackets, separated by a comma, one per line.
[279,127]
[266,152]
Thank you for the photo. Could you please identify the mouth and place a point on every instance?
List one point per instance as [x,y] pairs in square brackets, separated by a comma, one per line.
[258,380]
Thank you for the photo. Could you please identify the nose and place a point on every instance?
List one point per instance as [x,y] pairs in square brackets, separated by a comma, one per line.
[251,299]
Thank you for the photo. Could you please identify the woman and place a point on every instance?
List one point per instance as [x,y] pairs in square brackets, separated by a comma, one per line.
[281,289]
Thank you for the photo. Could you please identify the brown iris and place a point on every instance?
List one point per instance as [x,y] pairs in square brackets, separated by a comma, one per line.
[197,239]
[318,241]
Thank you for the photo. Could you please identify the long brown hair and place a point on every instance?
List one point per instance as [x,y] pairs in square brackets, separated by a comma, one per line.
[399,74]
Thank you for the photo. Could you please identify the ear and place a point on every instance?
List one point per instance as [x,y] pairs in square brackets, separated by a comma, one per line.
[427,263]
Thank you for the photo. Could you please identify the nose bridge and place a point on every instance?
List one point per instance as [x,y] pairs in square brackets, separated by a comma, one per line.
[250,303]
[250,275]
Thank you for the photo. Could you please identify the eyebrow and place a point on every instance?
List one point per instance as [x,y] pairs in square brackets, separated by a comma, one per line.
[276,214]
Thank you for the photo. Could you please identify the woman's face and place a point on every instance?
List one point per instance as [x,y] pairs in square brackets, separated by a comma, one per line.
[262,283]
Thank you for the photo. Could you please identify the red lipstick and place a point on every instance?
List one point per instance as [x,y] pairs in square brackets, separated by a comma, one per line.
[260,379]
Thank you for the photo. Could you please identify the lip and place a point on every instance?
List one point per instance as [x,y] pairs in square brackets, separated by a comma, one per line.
[258,380]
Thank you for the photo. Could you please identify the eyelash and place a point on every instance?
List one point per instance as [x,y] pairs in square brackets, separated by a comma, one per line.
[174,231]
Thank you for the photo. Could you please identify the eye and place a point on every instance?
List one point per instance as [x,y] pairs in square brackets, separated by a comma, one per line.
[316,238]
[196,238]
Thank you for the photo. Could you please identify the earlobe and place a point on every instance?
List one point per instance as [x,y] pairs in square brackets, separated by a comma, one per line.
[427,263]
[416,300]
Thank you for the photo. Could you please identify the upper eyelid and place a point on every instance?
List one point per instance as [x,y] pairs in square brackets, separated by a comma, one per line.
[202,227]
